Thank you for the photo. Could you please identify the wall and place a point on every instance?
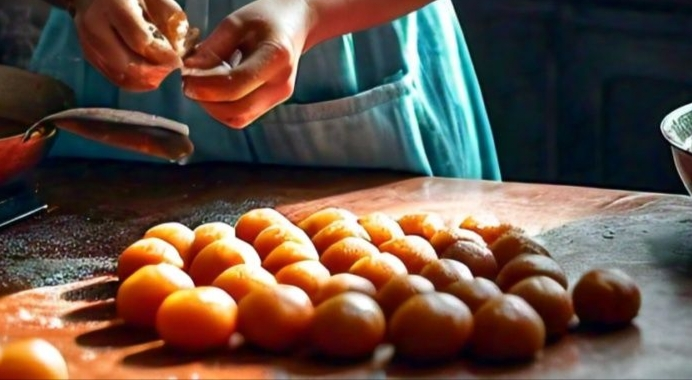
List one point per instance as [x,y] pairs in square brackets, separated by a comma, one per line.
[576,90]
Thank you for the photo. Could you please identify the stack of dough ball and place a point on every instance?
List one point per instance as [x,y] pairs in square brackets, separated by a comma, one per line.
[340,285]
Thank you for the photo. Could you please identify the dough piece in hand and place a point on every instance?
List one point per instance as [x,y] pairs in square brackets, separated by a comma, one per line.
[179,33]
[169,27]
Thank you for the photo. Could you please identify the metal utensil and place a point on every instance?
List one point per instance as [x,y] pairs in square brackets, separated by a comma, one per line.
[18,205]
[136,131]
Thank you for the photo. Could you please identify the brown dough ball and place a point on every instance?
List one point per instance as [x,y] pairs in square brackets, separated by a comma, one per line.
[552,302]
[507,328]
[479,259]
[443,272]
[527,265]
[474,293]
[443,238]
[430,327]
[513,244]
[606,297]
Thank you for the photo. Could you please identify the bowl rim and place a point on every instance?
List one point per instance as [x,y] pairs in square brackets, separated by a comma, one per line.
[666,122]
[45,136]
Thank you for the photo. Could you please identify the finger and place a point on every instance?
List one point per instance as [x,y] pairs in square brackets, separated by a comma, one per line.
[104,49]
[218,46]
[241,113]
[265,63]
[100,44]
[143,37]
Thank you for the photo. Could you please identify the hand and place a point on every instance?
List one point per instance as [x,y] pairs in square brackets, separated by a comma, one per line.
[271,35]
[126,43]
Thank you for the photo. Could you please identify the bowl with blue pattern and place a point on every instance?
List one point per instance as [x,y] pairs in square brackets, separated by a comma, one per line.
[677,130]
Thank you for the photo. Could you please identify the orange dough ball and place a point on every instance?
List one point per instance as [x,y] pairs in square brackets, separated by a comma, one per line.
[287,253]
[277,318]
[240,279]
[380,227]
[272,236]
[414,251]
[210,310]
[320,219]
[490,228]
[219,256]
[379,269]
[341,256]
[146,251]
[208,233]
[423,224]
[139,297]
[251,223]
[177,234]
[336,231]
[32,358]
[307,275]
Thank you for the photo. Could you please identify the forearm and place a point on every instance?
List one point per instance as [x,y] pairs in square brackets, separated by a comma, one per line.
[333,18]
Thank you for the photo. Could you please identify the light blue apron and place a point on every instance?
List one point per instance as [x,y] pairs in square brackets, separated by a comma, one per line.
[402,96]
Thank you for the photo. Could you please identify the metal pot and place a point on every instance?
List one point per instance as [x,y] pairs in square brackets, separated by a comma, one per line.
[25,98]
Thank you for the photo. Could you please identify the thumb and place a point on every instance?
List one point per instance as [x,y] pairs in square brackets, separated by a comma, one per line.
[217,47]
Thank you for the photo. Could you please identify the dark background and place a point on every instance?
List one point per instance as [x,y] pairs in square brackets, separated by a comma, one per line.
[575,89]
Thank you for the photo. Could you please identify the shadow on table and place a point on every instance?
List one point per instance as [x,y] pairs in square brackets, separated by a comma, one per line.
[298,363]
[101,311]
[116,335]
[672,247]
[100,291]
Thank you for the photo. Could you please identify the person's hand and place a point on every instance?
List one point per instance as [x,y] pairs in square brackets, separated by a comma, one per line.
[271,35]
[128,42]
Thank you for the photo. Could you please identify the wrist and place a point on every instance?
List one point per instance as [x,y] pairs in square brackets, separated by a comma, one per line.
[333,18]
[315,24]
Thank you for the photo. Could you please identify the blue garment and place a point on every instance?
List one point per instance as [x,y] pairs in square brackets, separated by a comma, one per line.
[400,96]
